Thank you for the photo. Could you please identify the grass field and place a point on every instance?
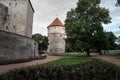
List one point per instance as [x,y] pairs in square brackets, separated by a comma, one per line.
[70,60]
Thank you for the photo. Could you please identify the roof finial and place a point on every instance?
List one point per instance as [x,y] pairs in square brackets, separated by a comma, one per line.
[56,15]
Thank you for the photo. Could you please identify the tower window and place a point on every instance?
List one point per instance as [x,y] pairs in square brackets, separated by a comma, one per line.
[55,27]
[15,4]
[1,14]
[9,4]
[6,27]
[14,16]
[14,27]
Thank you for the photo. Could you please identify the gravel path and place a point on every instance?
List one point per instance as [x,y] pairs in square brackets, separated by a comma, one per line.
[4,68]
[110,59]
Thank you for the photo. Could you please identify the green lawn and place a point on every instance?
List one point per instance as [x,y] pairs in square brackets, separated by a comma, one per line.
[70,60]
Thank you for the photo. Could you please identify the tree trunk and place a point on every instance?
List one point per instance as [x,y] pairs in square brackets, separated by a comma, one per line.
[88,52]
[99,52]
[104,51]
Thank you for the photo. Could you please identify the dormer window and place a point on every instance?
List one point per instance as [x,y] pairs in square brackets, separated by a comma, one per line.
[55,27]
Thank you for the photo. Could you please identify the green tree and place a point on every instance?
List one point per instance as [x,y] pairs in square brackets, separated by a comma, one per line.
[99,41]
[110,40]
[84,23]
[117,3]
[118,42]
[42,41]
[104,41]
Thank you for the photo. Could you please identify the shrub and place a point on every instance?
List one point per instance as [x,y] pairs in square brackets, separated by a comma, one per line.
[68,54]
[7,61]
[93,70]
[4,62]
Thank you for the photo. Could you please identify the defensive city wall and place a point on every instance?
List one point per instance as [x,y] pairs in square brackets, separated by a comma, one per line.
[14,46]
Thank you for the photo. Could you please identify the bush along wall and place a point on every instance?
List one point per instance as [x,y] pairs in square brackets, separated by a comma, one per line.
[7,61]
[93,70]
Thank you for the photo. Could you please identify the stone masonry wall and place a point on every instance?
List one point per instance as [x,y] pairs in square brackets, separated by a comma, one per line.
[3,16]
[56,43]
[20,17]
[56,29]
[29,23]
[14,46]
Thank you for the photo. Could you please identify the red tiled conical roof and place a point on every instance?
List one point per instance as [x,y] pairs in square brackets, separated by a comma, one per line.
[56,22]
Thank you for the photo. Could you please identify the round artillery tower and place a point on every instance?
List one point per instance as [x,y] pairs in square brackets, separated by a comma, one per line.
[56,37]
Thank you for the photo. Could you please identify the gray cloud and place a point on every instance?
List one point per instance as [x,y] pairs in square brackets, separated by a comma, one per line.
[110,4]
[46,10]
[117,33]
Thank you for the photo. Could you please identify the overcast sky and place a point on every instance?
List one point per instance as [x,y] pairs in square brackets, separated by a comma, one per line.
[47,10]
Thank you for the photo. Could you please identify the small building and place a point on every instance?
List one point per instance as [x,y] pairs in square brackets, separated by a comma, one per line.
[56,37]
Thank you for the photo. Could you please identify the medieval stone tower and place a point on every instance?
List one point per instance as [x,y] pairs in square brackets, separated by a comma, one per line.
[56,36]
[18,17]
[16,21]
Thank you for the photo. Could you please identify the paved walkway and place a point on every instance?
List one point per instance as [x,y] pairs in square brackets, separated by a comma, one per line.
[110,59]
[4,68]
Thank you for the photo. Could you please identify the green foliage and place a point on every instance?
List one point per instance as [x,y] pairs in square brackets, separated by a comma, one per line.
[42,41]
[110,39]
[118,42]
[118,3]
[93,70]
[104,41]
[84,26]
[9,61]
[68,54]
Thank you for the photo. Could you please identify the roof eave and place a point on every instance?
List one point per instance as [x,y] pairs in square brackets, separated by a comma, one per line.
[55,25]
[31,5]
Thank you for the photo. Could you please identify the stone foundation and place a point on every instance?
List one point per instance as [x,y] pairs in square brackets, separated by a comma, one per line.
[13,46]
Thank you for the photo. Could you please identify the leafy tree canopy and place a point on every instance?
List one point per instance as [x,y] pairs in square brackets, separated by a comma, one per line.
[118,3]
[84,24]
[42,41]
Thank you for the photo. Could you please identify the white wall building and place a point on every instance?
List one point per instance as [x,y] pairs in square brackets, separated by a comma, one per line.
[56,37]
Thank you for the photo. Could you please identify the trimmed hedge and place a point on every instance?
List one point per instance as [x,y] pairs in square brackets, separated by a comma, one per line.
[93,70]
[5,62]
[67,54]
